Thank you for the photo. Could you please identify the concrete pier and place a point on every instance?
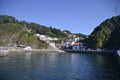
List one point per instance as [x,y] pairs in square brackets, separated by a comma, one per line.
[88,51]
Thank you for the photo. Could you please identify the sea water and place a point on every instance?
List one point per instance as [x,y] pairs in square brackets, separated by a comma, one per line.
[59,66]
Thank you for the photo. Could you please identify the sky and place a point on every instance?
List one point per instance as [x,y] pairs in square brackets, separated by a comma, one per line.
[77,16]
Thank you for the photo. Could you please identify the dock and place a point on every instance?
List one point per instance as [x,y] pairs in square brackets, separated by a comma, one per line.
[89,51]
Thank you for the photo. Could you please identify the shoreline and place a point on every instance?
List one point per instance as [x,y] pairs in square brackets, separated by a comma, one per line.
[36,50]
[7,51]
[89,51]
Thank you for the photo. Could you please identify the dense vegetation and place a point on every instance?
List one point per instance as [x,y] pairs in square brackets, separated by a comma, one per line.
[7,19]
[44,30]
[41,29]
[80,35]
[106,35]
[12,33]
[50,31]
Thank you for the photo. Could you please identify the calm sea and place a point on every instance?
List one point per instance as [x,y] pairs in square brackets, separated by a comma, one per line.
[59,66]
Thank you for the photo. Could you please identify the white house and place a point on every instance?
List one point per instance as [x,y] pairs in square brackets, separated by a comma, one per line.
[42,37]
[79,47]
[72,42]
[78,39]
[52,45]
[38,35]
[49,38]
[27,48]
[46,38]
[81,38]
[55,38]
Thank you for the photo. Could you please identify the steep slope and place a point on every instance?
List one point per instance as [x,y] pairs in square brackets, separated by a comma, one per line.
[50,31]
[106,34]
[13,34]
[41,29]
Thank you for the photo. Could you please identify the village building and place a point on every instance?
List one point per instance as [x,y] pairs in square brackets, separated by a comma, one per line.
[73,43]
[79,46]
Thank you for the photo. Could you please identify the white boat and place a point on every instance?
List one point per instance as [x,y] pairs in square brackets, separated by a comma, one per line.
[118,52]
[27,48]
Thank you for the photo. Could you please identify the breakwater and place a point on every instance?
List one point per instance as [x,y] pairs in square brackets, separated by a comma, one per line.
[89,51]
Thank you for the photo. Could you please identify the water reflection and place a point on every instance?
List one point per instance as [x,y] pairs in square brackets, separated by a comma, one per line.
[108,66]
[28,55]
[57,66]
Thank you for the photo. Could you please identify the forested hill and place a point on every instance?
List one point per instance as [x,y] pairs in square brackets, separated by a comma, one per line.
[44,30]
[106,35]
[14,33]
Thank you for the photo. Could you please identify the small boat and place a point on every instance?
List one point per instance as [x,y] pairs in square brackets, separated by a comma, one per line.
[118,52]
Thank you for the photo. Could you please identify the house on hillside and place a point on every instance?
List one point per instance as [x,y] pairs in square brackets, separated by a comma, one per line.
[42,37]
[77,39]
[79,46]
[74,43]
[37,35]
[49,38]
[52,45]
[55,38]
[45,38]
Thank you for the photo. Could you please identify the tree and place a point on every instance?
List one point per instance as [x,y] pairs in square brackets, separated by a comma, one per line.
[106,34]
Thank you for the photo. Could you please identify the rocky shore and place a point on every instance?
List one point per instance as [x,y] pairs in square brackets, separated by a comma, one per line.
[23,50]
[5,52]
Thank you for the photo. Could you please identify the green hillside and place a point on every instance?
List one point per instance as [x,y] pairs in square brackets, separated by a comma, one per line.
[106,35]
[41,29]
[13,34]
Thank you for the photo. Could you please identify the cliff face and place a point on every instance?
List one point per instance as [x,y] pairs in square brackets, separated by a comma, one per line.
[14,34]
[107,34]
